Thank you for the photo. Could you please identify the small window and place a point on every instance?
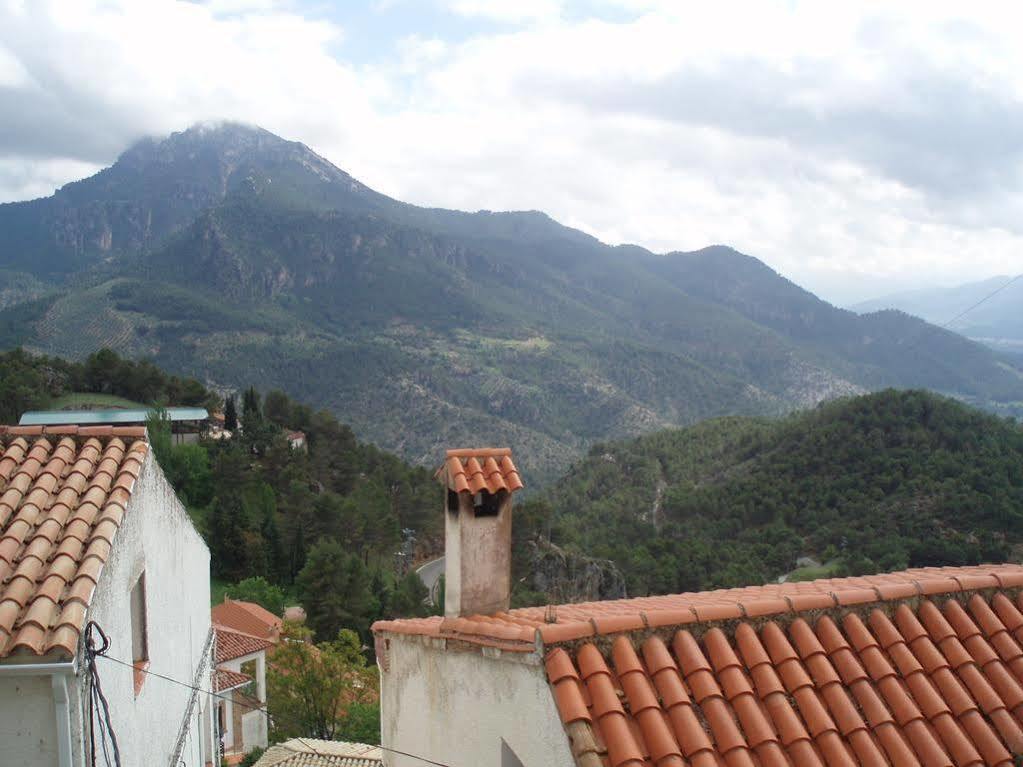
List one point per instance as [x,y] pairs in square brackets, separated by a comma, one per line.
[139,637]
[452,501]
[488,504]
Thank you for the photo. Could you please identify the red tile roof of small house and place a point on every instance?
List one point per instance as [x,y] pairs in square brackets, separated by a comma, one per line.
[63,493]
[923,666]
[247,617]
[474,470]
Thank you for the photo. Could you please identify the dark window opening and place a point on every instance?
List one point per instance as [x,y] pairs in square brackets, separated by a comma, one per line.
[487,504]
[452,501]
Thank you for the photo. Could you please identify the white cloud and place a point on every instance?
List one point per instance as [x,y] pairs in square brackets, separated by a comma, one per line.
[835,142]
[508,10]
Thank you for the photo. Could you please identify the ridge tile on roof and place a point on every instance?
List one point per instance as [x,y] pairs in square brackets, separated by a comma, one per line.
[63,494]
[475,470]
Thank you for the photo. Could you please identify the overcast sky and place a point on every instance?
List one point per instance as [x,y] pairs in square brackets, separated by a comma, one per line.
[857,151]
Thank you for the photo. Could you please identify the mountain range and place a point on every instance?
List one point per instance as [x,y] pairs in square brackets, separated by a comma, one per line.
[990,311]
[229,253]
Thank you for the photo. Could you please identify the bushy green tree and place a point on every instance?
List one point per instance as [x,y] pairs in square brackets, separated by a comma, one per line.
[326,691]
[334,587]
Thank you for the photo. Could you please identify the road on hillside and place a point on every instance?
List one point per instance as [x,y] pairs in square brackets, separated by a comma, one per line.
[430,574]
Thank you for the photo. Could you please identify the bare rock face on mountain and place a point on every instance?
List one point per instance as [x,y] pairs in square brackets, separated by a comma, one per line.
[564,577]
[232,254]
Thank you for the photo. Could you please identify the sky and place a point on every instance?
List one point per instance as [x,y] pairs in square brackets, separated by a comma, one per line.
[857,148]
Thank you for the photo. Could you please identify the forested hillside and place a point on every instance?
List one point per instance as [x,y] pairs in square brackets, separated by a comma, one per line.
[232,255]
[866,484]
[334,526]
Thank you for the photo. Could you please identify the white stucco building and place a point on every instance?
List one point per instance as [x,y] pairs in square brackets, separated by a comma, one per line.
[91,532]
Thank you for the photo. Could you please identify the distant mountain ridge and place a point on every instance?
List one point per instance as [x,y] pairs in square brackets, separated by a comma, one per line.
[232,254]
[991,309]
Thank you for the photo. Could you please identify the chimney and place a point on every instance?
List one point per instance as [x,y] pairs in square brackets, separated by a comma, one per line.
[477,530]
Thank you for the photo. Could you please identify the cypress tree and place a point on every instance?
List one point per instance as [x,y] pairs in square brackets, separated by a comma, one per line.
[230,414]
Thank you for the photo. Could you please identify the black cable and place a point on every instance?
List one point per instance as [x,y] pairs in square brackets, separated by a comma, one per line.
[966,311]
[265,713]
[96,696]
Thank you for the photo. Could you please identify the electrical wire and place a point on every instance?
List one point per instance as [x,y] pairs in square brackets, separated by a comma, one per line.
[966,311]
[97,699]
[263,711]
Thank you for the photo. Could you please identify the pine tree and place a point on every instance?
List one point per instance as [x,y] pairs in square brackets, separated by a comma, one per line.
[336,591]
[230,415]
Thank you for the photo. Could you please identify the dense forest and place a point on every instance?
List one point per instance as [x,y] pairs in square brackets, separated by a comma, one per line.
[865,484]
[334,525]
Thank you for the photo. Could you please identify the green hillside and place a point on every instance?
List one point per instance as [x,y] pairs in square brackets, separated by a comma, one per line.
[865,484]
[232,255]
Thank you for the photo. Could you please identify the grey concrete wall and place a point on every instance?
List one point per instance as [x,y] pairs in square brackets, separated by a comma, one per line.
[28,730]
[457,706]
[477,555]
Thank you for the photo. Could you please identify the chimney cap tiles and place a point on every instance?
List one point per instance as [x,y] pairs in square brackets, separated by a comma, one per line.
[476,470]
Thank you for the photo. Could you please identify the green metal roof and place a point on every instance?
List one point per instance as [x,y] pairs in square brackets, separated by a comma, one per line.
[81,417]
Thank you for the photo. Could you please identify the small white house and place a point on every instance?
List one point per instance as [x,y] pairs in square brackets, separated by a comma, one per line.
[245,634]
[92,533]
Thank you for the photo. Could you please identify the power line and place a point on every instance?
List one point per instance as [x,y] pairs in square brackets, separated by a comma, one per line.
[966,311]
[261,710]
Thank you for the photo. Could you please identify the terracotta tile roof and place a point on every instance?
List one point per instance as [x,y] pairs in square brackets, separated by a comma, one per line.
[234,644]
[924,680]
[917,667]
[470,471]
[224,679]
[63,493]
[310,752]
[247,617]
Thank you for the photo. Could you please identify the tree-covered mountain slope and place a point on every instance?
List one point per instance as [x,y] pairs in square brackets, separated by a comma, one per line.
[864,484]
[230,254]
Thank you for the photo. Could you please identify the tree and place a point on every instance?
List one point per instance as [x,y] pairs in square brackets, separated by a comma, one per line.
[336,590]
[229,546]
[230,415]
[408,600]
[322,691]
[277,408]
[259,590]
[250,404]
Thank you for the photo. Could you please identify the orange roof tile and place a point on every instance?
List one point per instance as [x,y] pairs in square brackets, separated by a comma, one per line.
[63,494]
[923,666]
[234,644]
[471,471]
[247,617]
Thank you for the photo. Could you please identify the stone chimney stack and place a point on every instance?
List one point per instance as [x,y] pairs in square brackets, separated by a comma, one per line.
[477,530]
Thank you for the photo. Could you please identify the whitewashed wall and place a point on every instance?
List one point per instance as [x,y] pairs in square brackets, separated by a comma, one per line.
[456,706]
[156,536]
